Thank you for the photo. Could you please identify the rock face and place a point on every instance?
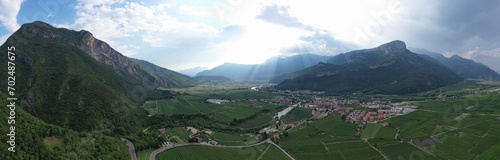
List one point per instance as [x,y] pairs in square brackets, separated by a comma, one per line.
[84,40]
[103,53]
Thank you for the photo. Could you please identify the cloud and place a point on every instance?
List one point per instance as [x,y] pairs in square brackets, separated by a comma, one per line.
[281,15]
[447,25]
[10,9]
[118,22]
[4,38]
[322,43]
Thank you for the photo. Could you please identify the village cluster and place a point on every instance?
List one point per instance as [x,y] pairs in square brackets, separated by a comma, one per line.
[352,111]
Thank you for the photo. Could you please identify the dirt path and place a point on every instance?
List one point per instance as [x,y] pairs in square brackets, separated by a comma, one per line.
[385,157]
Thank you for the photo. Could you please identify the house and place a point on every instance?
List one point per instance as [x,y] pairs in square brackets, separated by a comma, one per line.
[372,118]
[217,101]
[276,136]
[385,124]
[212,142]
[162,130]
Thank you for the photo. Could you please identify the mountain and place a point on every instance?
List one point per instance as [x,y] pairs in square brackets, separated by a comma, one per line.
[387,69]
[465,68]
[271,68]
[489,58]
[192,71]
[213,78]
[71,79]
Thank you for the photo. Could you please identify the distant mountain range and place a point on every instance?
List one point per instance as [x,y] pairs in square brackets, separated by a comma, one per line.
[271,68]
[387,69]
[491,58]
[465,68]
[192,71]
[212,79]
[71,79]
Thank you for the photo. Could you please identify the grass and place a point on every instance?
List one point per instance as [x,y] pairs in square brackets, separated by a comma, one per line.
[312,138]
[144,154]
[183,134]
[403,151]
[355,150]
[386,133]
[230,139]
[273,153]
[259,121]
[52,142]
[370,130]
[211,153]
[297,114]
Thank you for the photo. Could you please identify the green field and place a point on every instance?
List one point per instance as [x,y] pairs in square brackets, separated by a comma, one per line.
[310,139]
[180,132]
[231,92]
[403,151]
[370,130]
[231,139]
[297,114]
[144,154]
[354,150]
[378,131]
[259,121]
[273,153]
[216,153]
[386,133]
[464,129]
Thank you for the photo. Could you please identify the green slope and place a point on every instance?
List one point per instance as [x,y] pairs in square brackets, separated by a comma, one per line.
[35,139]
[73,80]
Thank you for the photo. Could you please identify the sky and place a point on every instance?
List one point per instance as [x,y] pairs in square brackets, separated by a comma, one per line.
[182,34]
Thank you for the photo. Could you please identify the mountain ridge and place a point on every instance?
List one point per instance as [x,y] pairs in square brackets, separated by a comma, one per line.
[74,80]
[387,69]
[265,71]
[465,68]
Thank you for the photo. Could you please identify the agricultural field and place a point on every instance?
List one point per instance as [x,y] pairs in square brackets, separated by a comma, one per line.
[297,114]
[376,130]
[403,151]
[466,127]
[182,134]
[310,139]
[354,150]
[273,153]
[248,115]
[386,133]
[370,130]
[230,92]
[454,129]
[259,121]
[231,139]
[216,153]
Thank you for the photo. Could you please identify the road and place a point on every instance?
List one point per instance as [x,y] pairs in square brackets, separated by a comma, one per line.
[289,156]
[131,149]
[153,154]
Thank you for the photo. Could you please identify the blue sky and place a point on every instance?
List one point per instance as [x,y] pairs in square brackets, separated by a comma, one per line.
[181,34]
